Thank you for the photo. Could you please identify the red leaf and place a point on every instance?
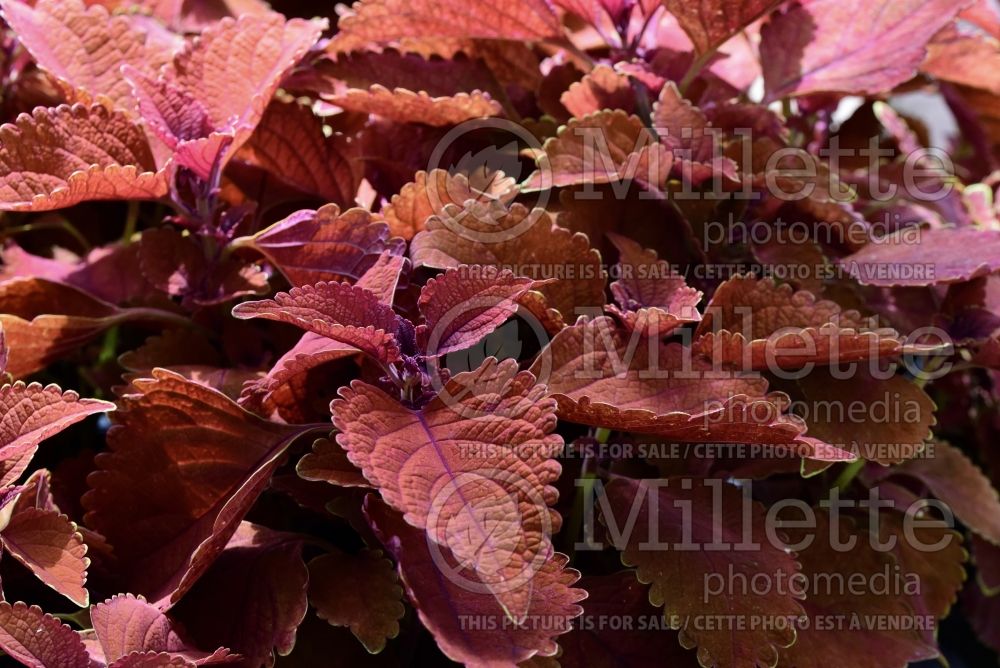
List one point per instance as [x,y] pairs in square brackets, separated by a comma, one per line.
[324,245]
[406,106]
[57,157]
[601,88]
[372,22]
[253,598]
[682,127]
[868,644]
[951,477]
[710,23]
[860,46]
[488,501]
[679,577]
[31,414]
[178,265]
[382,278]
[168,512]
[50,546]
[289,144]
[428,194]
[465,304]
[85,46]
[207,102]
[603,147]
[598,379]
[449,602]
[127,625]
[38,640]
[634,641]
[281,390]
[970,60]
[360,591]
[759,325]
[653,298]
[939,256]
[338,311]
[891,437]
[524,239]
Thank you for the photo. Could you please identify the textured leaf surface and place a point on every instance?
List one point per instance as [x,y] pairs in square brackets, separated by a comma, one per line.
[372,22]
[128,625]
[603,147]
[49,545]
[851,47]
[33,413]
[169,511]
[361,591]
[338,311]
[709,23]
[465,304]
[757,324]
[868,644]
[443,599]
[57,157]
[232,70]
[473,468]
[525,240]
[599,379]
[38,640]
[326,244]
[652,297]
[678,577]
[289,143]
[941,256]
[85,46]
[601,88]
[406,106]
[429,193]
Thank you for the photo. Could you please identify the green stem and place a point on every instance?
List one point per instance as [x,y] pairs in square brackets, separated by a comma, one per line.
[131,222]
[49,225]
[849,473]
[696,67]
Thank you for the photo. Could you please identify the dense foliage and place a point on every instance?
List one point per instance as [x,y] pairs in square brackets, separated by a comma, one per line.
[504,332]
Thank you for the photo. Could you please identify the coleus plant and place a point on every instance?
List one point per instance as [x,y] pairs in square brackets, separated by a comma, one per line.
[500,333]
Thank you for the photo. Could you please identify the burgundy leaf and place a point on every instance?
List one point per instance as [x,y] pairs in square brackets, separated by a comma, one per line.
[57,157]
[457,468]
[253,598]
[329,463]
[38,640]
[127,625]
[372,22]
[444,597]
[85,46]
[50,546]
[710,23]
[465,304]
[938,256]
[289,144]
[722,515]
[324,245]
[31,414]
[653,299]
[338,311]
[858,46]
[168,512]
